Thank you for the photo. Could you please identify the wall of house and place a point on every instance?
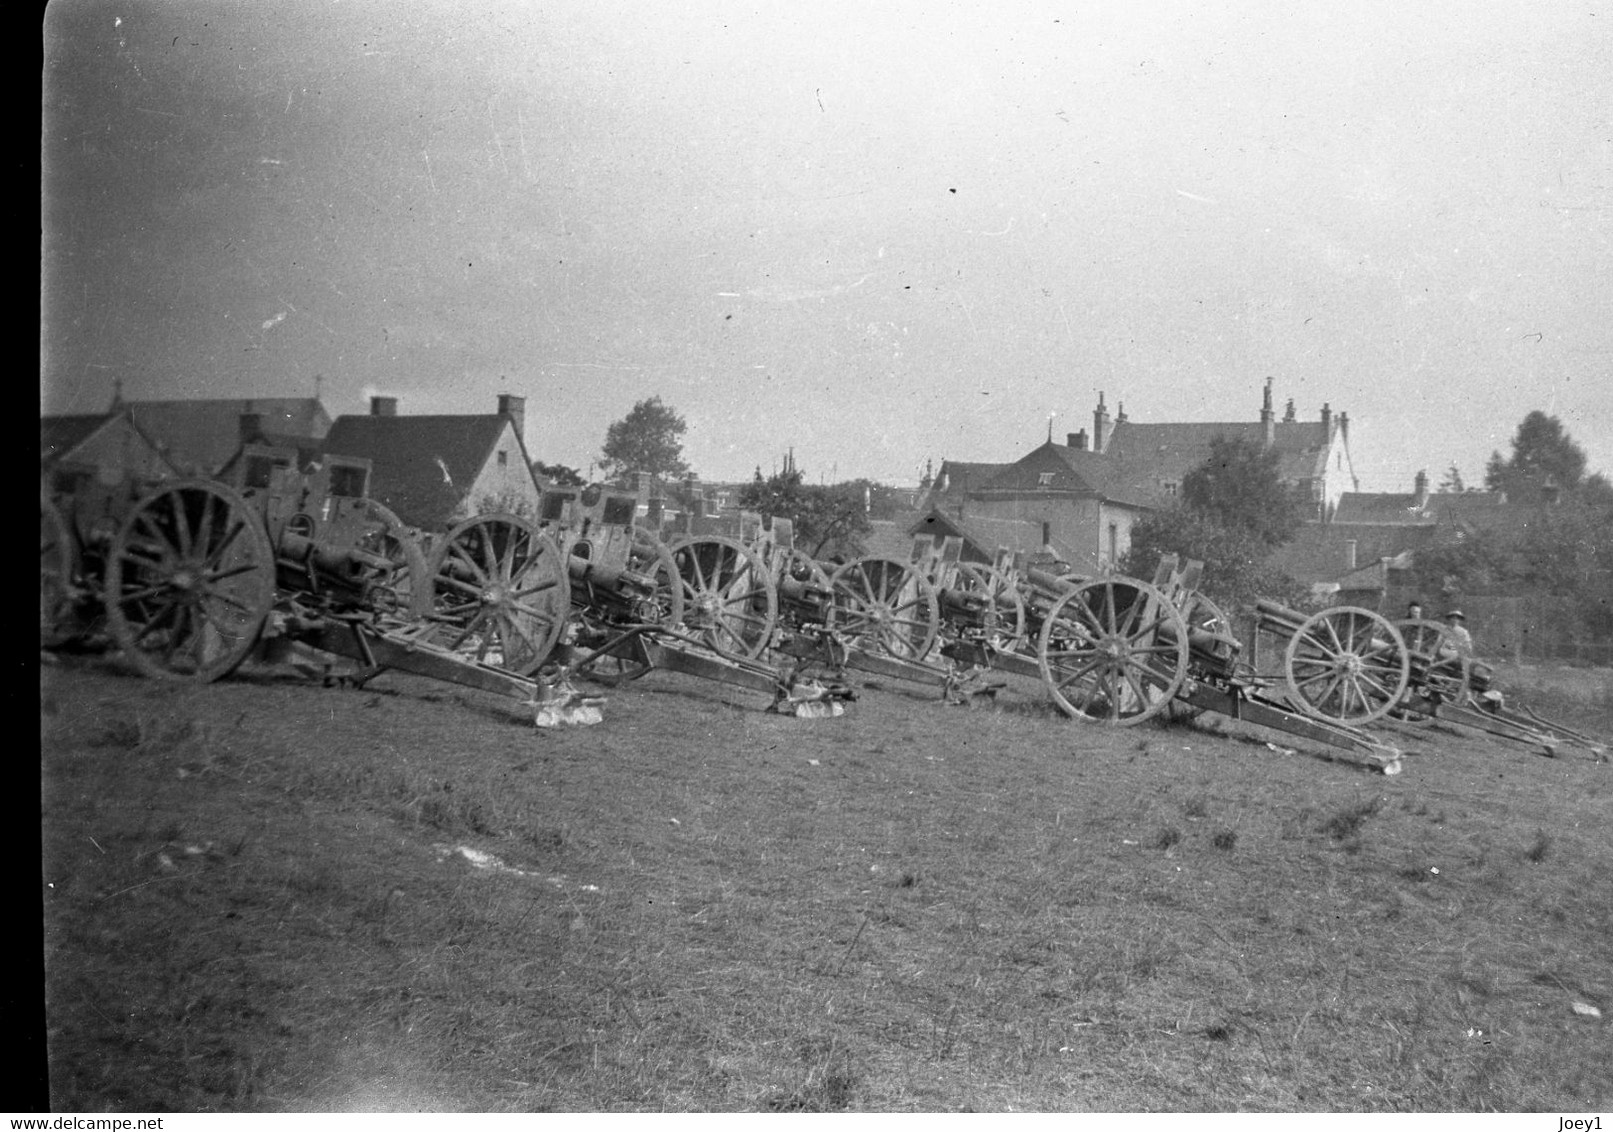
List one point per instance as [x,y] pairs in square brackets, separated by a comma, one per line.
[502,486]
[1337,472]
[1086,533]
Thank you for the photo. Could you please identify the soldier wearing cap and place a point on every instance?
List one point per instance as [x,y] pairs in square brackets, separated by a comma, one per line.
[1456,627]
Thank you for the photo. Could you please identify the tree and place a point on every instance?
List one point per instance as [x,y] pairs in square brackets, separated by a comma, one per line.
[560,475]
[648,439]
[1239,487]
[1452,481]
[1236,572]
[821,515]
[1543,455]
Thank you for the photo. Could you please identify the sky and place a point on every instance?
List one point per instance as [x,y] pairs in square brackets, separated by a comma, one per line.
[880,233]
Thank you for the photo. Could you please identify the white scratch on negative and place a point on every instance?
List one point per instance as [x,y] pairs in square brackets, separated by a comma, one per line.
[1194,196]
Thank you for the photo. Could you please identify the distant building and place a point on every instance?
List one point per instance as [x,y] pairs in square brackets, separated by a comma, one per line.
[200,436]
[434,471]
[105,447]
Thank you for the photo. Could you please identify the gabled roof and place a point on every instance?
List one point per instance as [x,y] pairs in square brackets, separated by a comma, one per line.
[60,435]
[957,478]
[1382,508]
[207,432]
[1147,456]
[1319,552]
[1042,470]
[422,466]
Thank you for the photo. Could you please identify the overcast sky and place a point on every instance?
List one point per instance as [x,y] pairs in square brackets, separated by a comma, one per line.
[878,231]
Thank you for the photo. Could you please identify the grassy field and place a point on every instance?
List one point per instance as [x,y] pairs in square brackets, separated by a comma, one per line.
[263,895]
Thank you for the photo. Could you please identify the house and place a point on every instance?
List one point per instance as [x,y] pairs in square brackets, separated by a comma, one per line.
[199,437]
[1150,461]
[108,448]
[437,470]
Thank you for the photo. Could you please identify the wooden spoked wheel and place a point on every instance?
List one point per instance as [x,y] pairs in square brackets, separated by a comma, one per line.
[1439,668]
[885,607]
[1007,628]
[501,592]
[404,591]
[729,599]
[58,566]
[1201,616]
[190,580]
[1113,651]
[1347,665]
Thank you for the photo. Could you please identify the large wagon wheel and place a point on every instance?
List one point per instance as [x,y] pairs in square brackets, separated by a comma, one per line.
[405,591]
[1008,628]
[500,589]
[1347,665]
[1114,651]
[1439,667]
[190,579]
[58,566]
[885,606]
[729,598]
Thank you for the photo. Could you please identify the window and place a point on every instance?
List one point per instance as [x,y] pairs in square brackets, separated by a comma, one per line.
[1045,479]
[1114,542]
[1172,487]
[347,481]
[1047,532]
[503,458]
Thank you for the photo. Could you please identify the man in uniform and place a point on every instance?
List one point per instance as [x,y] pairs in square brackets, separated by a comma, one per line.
[1456,625]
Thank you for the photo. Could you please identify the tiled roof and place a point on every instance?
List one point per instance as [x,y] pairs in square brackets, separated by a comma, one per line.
[1148,456]
[423,466]
[60,435]
[1048,468]
[956,479]
[206,433]
[1319,552]
[1381,508]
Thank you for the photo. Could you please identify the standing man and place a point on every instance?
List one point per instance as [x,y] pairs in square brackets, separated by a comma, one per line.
[1456,624]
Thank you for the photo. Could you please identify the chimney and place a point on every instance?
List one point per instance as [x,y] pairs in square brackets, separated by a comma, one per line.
[1419,486]
[1344,426]
[1120,417]
[1288,413]
[1268,419]
[1327,423]
[251,427]
[509,405]
[1102,426]
[1077,440]
[383,406]
[1349,553]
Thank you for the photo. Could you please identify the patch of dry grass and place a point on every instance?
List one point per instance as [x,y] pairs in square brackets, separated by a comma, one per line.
[257,900]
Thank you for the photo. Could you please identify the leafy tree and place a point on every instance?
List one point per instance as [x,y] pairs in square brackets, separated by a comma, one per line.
[1452,481]
[1542,454]
[561,475]
[822,515]
[648,439]
[1238,486]
[1236,571]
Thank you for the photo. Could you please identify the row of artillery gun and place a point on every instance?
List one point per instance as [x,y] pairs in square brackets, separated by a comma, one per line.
[189,578]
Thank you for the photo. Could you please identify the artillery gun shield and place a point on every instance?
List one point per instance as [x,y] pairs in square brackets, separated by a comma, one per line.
[190,579]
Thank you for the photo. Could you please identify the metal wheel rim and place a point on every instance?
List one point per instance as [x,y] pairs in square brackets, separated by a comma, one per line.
[1347,665]
[190,580]
[729,596]
[1114,651]
[58,564]
[500,587]
[885,606]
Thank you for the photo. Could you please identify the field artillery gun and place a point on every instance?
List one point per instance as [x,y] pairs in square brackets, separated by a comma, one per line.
[190,574]
[704,606]
[1450,685]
